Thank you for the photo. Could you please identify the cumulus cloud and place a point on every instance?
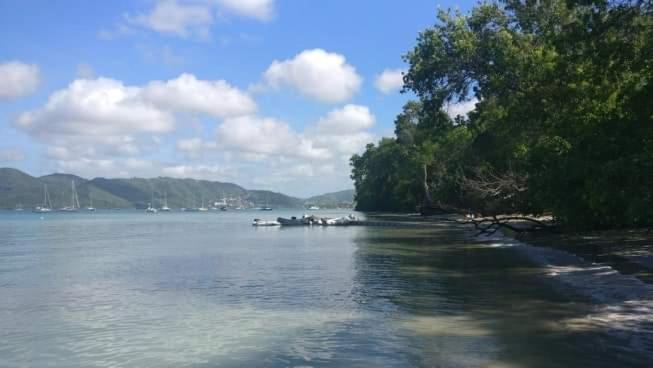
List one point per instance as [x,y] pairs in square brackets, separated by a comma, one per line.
[18,79]
[346,120]
[187,93]
[95,117]
[390,80]
[191,18]
[259,9]
[176,18]
[264,136]
[316,73]
[340,133]
[461,108]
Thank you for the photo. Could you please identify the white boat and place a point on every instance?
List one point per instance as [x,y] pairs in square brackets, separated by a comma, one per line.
[203,208]
[313,208]
[339,221]
[150,209]
[165,207]
[47,204]
[259,222]
[90,207]
[74,200]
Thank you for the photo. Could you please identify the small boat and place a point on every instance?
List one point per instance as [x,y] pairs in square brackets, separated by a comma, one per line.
[19,207]
[202,209]
[339,221]
[294,221]
[90,207]
[74,201]
[266,208]
[259,222]
[165,207]
[313,208]
[150,209]
[47,204]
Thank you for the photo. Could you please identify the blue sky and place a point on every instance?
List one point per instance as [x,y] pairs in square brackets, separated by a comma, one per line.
[264,93]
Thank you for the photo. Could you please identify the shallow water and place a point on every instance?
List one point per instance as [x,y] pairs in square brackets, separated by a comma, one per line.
[126,289]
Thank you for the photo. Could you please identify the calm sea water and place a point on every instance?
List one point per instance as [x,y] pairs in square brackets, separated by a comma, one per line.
[126,289]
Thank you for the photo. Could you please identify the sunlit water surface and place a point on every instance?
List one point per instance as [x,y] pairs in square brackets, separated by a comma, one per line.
[126,289]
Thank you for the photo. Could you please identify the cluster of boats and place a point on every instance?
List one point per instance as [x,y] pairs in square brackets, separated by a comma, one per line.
[47,203]
[306,220]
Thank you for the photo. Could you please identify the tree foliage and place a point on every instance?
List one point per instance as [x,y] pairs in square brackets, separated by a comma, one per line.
[563,122]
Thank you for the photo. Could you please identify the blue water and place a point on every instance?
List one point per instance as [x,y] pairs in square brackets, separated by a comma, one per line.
[127,289]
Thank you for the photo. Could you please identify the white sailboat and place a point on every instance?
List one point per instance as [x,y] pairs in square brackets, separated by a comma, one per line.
[74,200]
[165,207]
[47,204]
[150,208]
[90,207]
[202,209]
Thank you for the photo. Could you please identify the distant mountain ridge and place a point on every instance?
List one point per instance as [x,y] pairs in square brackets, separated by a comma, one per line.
[20,189]
[332,199]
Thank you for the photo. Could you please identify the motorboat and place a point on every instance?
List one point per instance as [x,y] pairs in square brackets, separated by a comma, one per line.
[293,221]
[259,222]
[339,221]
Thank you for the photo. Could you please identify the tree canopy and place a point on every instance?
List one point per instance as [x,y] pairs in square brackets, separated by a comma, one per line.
[563,120]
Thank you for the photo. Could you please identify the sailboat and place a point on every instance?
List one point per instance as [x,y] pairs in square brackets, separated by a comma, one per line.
[90,207]
[19,207]
[150,208]
[47,204]
[165,207]
[202,209]
[74,200]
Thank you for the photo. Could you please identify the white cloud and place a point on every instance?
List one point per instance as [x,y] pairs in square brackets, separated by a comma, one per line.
[191,145]
[95,118]
[177,18]
[347,120]
[317,74]
[18,79]
[260,9]
[187,93]
[391,80]
[99,107]
[250,134]
[191,18]
[339,134]
[461,108]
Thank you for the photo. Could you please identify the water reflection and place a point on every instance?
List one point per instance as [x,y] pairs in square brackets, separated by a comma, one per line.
[126,290]
[467,303]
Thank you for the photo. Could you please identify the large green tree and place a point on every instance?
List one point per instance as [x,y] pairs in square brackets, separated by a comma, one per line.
[563,122]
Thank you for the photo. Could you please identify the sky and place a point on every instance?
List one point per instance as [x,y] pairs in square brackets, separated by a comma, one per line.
[267,94]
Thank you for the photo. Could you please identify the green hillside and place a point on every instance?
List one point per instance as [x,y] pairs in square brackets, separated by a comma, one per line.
[332,199]
[19,188]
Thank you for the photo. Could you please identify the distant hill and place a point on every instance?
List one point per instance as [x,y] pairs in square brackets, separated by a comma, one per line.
[18,188]
[332,199]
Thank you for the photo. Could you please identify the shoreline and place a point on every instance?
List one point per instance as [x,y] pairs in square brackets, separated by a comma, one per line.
[621,304]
